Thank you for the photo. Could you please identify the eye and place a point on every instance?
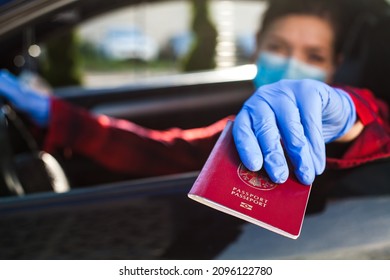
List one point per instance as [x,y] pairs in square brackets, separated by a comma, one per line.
[315,58]
[276,48]
[273,47]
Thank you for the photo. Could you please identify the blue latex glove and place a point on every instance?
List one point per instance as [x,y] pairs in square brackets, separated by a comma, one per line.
[301,115]
[25,99]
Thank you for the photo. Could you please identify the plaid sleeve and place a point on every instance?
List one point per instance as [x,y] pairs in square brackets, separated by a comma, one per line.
[123,146]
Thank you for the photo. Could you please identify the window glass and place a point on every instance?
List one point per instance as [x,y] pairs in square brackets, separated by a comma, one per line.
[131,43]
[154,39]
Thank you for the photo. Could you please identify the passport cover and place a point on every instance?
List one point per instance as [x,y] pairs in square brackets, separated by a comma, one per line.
[226,185]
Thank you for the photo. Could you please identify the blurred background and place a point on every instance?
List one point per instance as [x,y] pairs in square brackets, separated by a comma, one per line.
[130,37]
[144,39]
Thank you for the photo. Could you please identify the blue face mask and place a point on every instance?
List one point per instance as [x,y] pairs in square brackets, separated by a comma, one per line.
[272,68]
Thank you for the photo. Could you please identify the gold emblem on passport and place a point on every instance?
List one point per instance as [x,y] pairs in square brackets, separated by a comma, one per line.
[258,180]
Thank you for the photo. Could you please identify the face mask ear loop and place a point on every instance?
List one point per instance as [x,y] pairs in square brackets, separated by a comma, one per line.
[256,53]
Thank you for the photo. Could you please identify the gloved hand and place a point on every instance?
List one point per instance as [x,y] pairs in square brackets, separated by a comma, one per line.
[25,99]
[302,115]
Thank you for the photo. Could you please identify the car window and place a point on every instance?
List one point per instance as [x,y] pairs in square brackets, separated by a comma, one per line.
[148,40]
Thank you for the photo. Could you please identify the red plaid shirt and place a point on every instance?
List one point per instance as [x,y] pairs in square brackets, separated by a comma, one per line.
[123,146]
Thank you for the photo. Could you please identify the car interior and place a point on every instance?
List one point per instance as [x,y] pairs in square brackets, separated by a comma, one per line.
[142,218]
[52,206]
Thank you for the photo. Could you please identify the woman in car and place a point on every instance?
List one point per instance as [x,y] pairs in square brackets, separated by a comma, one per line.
[300,43]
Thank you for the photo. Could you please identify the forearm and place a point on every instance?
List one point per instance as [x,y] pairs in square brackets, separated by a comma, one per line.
[369,139]
[123,146]
[353,133]
[367,111]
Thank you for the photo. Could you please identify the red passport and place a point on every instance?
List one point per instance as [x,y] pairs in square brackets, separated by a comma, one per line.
[226,185]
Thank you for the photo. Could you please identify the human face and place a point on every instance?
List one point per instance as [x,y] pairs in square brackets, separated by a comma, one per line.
[308,39]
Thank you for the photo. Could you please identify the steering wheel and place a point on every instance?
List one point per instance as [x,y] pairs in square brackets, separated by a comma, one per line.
[30,170]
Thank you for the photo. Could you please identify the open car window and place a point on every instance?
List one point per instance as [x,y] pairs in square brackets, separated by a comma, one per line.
[123,45]
[126,59]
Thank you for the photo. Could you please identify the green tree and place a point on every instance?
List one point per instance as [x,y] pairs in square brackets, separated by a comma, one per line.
[62,65]
[202,53]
